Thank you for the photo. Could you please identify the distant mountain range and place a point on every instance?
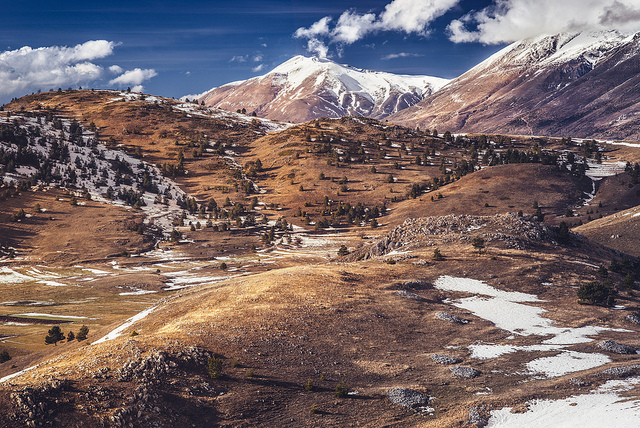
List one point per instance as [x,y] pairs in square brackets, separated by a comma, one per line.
[579,84]
[569,84]
[303,89]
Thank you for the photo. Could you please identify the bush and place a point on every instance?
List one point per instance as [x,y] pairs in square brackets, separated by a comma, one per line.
[596,293]
[437,256]
[343,251]
[4,357]
[214,367]
[309,386]
[341,390]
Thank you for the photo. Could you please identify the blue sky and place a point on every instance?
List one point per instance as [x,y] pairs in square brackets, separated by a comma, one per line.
[173,48]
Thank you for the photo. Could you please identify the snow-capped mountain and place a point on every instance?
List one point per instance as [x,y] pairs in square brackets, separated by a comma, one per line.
[304,88]
[577,84]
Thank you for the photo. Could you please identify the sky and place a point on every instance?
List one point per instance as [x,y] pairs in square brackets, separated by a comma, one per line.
[174,48]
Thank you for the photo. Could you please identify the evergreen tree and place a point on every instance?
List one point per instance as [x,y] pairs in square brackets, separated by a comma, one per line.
[82,334]
[54,335]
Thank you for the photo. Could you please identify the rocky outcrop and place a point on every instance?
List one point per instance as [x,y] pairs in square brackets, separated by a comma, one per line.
[510,229]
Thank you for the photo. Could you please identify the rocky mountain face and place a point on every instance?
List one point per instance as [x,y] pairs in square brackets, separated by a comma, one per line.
[303,89]
[578,84]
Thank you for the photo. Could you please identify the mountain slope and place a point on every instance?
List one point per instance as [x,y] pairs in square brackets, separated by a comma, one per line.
[303,89]
[578,84]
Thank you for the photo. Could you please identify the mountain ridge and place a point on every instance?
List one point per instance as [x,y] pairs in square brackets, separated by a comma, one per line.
[303,89]
[578,84]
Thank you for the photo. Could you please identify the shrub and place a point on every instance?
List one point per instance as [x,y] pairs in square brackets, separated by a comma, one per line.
[250,373]
[596,293]
[214,367]
[314,409]
[343,251]
[309,386]
[437,256]
[478,243]
[341,390]
[4,357]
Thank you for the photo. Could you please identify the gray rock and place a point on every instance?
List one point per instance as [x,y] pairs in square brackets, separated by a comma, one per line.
[478,417]
[622,371]
[462,371]
[445,359]
[406,397]
[409,295]
[446,316]
[634,318]
[615,347]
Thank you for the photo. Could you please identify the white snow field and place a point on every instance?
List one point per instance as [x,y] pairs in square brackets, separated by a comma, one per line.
[603,407]
[506,309]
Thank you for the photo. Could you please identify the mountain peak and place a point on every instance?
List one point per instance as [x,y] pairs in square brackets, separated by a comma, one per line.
[304,88]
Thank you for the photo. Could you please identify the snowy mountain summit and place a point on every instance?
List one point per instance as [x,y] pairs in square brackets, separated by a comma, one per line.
[303,89]
[579,84]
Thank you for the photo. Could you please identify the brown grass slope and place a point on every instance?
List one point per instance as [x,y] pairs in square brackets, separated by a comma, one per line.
[319,325]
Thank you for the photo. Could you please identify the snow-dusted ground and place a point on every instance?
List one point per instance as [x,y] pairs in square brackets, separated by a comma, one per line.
[118,331]
[92,163]
[603,407]
[506,309]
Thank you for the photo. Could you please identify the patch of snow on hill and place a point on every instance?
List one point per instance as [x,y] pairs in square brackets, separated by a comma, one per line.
[506,310]
[603,407]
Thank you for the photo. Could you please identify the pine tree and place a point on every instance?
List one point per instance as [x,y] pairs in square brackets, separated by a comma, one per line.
[54,336]
[82,334]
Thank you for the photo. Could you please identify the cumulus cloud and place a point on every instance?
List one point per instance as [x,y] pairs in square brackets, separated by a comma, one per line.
[116,69]
[29,68]
[511,20]
[133,77]
[400,55]
[407,16]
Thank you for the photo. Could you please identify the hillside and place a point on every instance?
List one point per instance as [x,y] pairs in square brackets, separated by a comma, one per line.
[303,89]
[570,84]
[235,271]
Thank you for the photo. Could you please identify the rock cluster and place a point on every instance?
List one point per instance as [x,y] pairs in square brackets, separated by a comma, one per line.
[478,417]
[409,295]
[615,347]
[33,404]
[634,318]
[462,371]
[622,371]
[446,316]
[406,397]
[445,359]
[516,232]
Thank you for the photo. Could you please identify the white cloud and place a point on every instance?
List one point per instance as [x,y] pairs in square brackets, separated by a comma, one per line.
[258,57]
[138,88]
[116,69]
[238,58]
[257,68]
[511,20]
[401,55]
[318,48]
[407,16]
[133,77]
[26,69]
[319,28]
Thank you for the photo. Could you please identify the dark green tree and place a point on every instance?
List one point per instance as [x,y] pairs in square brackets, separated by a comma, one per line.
[596,293]
[70,336]
[83,333]
[478,244]
[54,336]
